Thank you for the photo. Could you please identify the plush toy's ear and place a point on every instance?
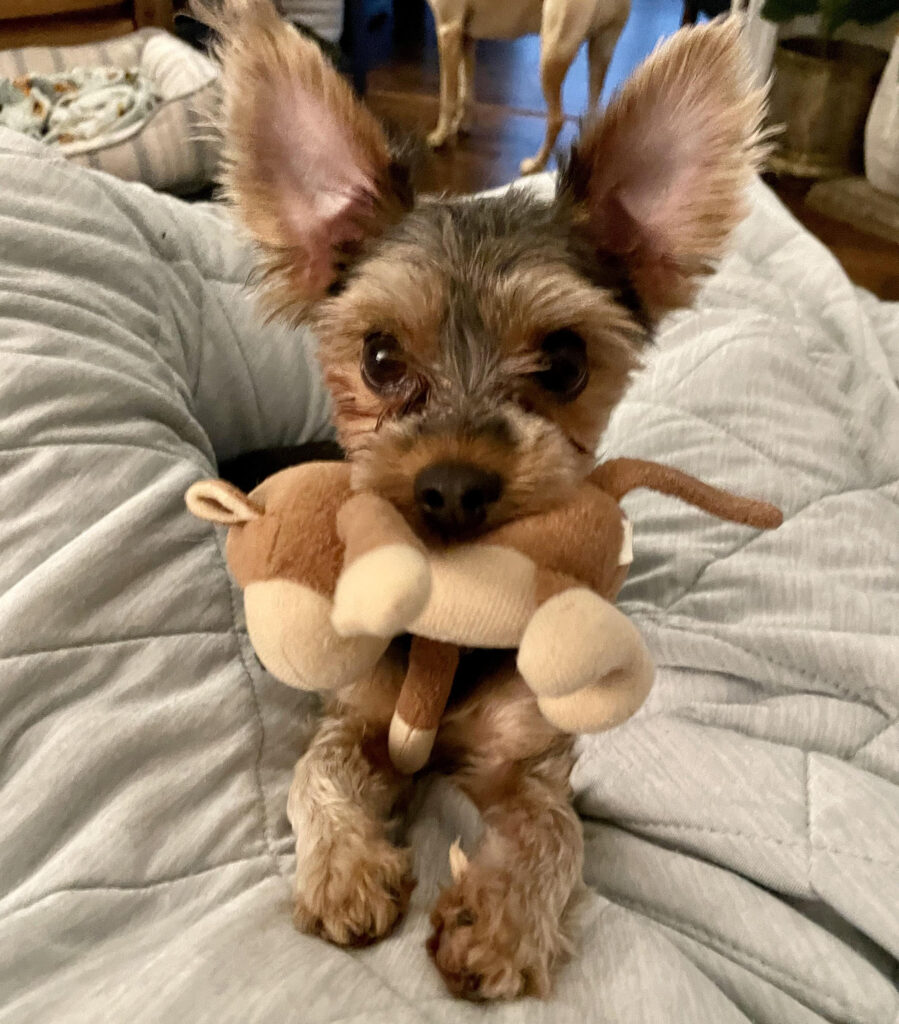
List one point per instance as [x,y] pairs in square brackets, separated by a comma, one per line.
[658,178]
[217,501]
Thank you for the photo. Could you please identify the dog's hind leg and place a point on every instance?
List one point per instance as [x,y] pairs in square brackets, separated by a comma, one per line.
[554,67]
[600,48]
[462,120]
[449,44]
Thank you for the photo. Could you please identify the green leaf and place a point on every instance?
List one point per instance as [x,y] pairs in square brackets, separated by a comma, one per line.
[784,10]
[870,12]
[833,14]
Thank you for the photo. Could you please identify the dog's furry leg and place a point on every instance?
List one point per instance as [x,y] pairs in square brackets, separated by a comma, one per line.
[449,43]
[352,883]
[501,926]
[462,119]
[553,69]
[600,48]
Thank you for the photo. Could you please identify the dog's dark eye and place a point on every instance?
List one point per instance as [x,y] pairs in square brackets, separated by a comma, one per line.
[384,366]
[565,369]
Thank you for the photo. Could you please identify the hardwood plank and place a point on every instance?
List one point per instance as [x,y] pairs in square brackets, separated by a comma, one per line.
[485,158]
[15,9]
[68,30]
[155,13]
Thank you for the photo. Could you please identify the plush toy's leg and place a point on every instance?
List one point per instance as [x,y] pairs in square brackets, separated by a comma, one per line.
[352,883]
[290,625]
[502,925]
[585,661]
[426,689]
[386,579]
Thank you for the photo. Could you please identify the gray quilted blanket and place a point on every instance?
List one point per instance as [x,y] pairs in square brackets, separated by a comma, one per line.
[743,829]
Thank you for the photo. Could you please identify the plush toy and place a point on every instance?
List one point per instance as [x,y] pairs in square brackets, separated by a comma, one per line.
[330,577]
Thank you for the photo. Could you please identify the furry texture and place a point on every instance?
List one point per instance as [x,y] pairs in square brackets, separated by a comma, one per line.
[467,294]
[659,178]
[307,167]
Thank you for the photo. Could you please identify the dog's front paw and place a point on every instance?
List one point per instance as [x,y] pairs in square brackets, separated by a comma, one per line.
[355,895]
[490,940]
[381,592]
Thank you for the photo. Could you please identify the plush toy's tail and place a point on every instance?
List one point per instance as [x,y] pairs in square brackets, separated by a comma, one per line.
[619,476]
[419,707]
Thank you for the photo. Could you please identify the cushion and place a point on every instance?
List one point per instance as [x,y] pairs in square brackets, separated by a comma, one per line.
[176,149]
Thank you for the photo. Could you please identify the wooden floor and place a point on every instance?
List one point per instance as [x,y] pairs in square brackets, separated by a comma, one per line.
[508,118]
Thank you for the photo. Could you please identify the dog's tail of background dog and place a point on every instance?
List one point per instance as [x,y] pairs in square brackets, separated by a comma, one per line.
[619,476]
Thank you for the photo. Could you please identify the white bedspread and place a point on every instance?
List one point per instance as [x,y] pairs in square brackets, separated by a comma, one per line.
[743,829]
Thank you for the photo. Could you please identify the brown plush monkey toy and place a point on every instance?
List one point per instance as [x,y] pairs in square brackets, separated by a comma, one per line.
[330,577]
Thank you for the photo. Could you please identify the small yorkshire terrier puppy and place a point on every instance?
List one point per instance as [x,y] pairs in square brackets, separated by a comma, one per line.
[474,349]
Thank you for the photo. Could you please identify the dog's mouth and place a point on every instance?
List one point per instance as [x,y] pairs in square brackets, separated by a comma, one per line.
[453,486]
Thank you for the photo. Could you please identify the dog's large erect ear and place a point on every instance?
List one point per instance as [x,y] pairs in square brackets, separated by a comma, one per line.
[307,166]
[658,178]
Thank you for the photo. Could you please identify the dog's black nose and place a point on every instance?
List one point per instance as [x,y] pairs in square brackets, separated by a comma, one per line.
[454,496]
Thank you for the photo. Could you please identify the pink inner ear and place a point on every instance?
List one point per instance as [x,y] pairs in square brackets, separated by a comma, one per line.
[652,170]
[320,182]
[669,159]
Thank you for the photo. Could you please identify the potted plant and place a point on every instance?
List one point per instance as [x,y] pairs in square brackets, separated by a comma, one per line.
[823,87]
[882,130]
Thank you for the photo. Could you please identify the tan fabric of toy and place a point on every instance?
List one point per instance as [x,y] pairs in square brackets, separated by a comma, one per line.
[330,577]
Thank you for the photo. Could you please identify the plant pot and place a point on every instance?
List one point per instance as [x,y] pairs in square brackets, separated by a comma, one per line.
[821,94]
[882,130]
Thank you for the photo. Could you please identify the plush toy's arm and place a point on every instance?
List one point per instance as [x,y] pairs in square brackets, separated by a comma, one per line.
[426,689]
[386,580]
[585,661]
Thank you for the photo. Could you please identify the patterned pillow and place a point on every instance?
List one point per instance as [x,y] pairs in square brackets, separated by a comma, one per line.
[177,149]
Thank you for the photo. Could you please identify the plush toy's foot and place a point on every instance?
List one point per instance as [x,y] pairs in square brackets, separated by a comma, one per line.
[292,634]
[381,592]
[585,661]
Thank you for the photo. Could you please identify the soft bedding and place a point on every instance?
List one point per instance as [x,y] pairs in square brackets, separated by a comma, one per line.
[742,829]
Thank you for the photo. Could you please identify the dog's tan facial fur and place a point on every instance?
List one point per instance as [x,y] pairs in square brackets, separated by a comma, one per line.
[470,288]
[470,294]
[467,300]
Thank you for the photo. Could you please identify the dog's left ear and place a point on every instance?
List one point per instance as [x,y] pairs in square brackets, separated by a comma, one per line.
[658,179]
[306,164]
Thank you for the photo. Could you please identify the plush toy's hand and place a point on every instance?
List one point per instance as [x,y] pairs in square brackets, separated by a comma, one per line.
[585,661]
[382,591]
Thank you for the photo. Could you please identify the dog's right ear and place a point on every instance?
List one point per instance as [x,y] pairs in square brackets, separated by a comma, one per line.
[658,179]
[217,501]
[307,166]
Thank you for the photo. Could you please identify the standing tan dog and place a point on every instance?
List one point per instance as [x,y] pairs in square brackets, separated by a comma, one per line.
[562,25]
